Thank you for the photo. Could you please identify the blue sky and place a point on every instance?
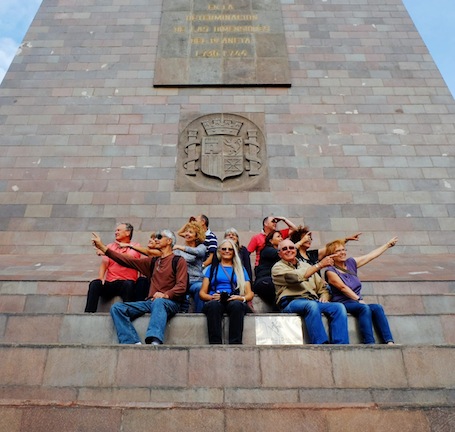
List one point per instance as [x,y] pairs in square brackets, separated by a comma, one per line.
[433,18]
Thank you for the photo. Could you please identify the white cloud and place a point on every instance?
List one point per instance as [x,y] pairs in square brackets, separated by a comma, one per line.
[15,19]
[16,16]
[8,49]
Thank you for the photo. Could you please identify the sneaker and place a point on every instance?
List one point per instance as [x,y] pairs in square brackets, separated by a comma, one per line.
[152,340]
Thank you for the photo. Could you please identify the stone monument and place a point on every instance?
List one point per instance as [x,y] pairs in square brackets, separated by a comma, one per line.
[328,112]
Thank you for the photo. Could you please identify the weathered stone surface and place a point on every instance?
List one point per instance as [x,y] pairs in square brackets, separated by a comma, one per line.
[222,152]
[218,43]
[191,329]
[361,141]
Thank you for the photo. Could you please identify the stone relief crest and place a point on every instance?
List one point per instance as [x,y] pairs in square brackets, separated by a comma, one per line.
[220,147]
[222,156]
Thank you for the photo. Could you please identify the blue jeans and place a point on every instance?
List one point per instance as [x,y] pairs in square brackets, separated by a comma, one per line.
[195,287]
[369,315]
[123,314]
[311,311]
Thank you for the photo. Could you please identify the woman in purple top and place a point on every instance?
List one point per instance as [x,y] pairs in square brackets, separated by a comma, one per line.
[346,288]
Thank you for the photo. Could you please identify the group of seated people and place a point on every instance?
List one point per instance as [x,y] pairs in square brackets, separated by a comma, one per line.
[216,278]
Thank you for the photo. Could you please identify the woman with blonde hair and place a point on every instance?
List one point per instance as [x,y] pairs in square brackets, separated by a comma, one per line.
[347,289]
[226,288]
[193,252]
[244,255]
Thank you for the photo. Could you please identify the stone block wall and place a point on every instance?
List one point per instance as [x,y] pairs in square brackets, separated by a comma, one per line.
[361,141]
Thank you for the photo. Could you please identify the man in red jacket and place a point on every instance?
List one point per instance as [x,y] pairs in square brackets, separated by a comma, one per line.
[269,224]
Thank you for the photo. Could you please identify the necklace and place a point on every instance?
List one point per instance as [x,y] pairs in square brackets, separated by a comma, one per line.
[344,270]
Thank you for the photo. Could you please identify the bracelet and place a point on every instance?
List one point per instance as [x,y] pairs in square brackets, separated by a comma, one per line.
[317,266]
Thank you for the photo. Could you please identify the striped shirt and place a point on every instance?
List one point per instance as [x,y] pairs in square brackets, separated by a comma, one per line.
[211,243]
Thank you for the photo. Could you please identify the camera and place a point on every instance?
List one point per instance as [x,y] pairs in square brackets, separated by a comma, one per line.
[224,296]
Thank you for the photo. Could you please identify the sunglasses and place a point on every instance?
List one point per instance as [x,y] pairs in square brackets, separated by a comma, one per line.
[160,236]
[285,248]
[227,249]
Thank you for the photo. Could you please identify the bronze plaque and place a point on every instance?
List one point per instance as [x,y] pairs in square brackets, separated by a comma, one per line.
[221,152]
[222,43]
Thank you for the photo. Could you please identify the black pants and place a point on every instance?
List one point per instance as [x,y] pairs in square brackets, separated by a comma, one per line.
[141,288]
[265,289]
[214,310]
[108,290]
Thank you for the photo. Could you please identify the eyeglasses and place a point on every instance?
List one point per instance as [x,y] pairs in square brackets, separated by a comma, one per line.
[227,249]
[285,248]
[160,236]
[274,220]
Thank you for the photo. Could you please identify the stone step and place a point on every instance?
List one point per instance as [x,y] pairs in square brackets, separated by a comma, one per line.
[119,375]
[80,287]
[60,297]
[191,329]
[27,416]
[396,304]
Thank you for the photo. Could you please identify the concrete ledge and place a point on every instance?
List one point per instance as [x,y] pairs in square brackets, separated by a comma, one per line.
[396,304]
[111,375]
[225,418]
[80,287]
[191,329]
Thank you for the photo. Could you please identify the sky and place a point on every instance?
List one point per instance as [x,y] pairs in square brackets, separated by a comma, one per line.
[434,20]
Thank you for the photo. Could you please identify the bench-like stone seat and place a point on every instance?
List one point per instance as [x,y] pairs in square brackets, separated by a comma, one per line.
[191,329]
[60,297]
[396,304]
[80,287]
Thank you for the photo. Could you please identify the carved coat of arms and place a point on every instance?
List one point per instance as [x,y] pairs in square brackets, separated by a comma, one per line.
[223,146]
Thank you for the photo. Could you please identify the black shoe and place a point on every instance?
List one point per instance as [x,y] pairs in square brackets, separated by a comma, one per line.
[152,340]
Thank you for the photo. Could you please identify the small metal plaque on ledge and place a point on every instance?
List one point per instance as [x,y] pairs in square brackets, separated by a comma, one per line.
[222,43]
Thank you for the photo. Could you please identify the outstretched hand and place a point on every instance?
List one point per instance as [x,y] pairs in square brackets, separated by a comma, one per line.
[354,237]
[392,242]
[96,241]
[327,260]
[123,245]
